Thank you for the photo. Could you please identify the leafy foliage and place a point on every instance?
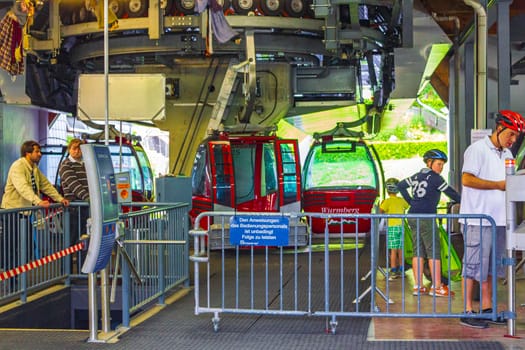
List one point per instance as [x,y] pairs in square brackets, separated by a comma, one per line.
[406,149]
[399,133]
[430,97]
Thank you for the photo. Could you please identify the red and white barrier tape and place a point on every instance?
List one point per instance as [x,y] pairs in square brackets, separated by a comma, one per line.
[40,262]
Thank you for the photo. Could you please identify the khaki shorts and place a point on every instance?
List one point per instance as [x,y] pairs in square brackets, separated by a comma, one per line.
[425,238]
[477,259]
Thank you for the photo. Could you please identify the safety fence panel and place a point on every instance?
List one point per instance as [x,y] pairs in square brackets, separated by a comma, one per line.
[330,275]
[41,247]
[155,246]
[28,235]
[75,218]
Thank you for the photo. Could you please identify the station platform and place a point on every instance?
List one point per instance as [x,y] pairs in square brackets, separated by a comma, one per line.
[175,326]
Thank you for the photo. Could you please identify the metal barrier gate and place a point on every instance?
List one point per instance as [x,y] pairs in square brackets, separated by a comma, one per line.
[27,235]
[35,253]
[329,276]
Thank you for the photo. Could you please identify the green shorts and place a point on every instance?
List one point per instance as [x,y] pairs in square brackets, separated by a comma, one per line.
[394,237]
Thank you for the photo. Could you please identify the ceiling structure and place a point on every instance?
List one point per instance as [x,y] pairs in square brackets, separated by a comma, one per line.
[456,20]
[433,22]
[324,52]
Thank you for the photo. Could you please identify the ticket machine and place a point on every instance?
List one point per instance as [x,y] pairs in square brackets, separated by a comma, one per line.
[104,206]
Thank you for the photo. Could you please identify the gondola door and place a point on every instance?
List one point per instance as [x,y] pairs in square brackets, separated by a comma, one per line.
[289,170]
[340,177]
[255,169]
[223,181]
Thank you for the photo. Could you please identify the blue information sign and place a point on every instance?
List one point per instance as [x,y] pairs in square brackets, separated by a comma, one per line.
[259,230]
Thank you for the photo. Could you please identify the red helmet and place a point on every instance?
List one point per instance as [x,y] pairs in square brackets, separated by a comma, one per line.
[511,120]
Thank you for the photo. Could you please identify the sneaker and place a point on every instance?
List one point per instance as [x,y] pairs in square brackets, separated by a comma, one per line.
[399,271]
[441,291]
[473,322]
[420,291]
[393,274]
[499,320]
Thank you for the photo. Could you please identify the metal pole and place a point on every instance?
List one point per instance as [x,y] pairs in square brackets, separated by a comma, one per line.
[511,272]
[120,147]
[92,303]
[374,252]
[326,267]
[104,279]
[126,276]
[106,71]
[481,61]
[67,239]
[26,227]
[104,299]
[161,256]
[504,60]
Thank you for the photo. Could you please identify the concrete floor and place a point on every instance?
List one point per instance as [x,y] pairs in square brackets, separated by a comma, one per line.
[429,329]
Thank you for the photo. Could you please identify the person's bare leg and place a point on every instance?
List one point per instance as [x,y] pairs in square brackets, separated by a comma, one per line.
[467,285]
[400,263]
[417,269]
[435,272]
[393,258]
[486,290]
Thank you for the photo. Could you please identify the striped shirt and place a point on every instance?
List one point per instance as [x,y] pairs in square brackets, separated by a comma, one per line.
[73,180]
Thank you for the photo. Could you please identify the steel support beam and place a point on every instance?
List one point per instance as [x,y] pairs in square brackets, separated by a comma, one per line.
[503,39]
[470,86]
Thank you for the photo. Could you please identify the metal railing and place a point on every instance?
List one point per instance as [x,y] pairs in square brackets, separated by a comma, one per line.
[155,240]
[332,276]
[26,235]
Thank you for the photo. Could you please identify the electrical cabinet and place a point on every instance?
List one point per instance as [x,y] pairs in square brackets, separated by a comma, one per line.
[173,189]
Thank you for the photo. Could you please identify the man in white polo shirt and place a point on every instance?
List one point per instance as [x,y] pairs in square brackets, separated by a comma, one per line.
[483,179]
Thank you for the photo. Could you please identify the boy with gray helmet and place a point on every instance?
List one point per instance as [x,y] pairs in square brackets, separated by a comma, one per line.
[426,187]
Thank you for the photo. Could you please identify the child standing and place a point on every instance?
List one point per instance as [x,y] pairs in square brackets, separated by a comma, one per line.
[394,205]
[426,187]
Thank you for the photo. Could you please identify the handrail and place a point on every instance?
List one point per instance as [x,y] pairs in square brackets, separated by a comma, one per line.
[155,239]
